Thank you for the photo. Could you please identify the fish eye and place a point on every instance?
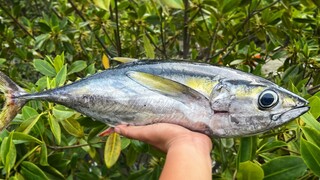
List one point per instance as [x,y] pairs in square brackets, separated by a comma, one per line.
[268,99]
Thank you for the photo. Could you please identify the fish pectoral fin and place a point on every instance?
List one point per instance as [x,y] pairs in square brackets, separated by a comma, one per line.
[169,88]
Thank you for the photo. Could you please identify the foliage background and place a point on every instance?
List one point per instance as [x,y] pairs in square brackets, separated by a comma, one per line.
[46,44]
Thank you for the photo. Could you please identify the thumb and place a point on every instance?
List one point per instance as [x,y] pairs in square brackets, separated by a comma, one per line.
[132,132]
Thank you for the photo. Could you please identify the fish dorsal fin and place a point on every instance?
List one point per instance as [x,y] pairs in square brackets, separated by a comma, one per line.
[169,88]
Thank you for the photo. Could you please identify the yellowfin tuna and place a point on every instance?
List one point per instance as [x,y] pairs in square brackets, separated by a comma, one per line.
[217,101]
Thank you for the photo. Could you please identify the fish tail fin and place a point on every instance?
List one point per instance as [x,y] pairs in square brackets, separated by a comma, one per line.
[12,105]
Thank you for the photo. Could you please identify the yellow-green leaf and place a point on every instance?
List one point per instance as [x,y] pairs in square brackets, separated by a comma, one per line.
[103,4]
[28,124]
[73,127]
[44,155]
[19,137]
[311,121]
[61,76]
[105,61]
[312,135]
[249,171]
[149,49]
[178,4]
[61,112]
[8,153]
[112,149]
[314,106]
[55,128]
[58,62]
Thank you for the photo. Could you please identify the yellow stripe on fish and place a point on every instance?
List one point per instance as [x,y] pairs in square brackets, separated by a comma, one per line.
[201,84]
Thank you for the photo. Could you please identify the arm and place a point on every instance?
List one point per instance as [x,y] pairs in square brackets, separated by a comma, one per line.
[188,152]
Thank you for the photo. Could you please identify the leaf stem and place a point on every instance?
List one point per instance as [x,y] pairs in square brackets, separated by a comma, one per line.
[72,146]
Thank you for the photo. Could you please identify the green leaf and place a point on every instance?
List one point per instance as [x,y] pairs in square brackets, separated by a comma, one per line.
[311,156]
[91,69]
[112,149]
[44,155]
[312,135]
[271,145]
[227,142]
[8,153]
[22,138]
[229,5]
[248,147]
[28,112]
[311,121]
[178,4]
[32,171]
[304,20]
[2,60]
[44,67]
[249,171]
[61,112]
[73,127]
[149,49]
[103,4]
[282,168]
[61,76]
[55,128]
[125,142]
[77,66]
[131,156]
[41,39]
[28,124]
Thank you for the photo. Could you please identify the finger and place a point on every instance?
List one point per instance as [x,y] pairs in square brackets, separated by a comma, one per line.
[107,132]
[133,132]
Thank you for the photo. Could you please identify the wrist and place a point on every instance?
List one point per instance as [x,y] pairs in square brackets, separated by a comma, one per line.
[199,142]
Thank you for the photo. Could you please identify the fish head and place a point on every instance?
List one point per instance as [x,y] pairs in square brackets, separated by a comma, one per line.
[243,108]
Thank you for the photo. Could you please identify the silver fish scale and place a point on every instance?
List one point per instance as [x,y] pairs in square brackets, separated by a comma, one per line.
[228,110]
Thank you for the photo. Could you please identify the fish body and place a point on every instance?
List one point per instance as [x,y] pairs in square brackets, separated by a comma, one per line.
[217,101]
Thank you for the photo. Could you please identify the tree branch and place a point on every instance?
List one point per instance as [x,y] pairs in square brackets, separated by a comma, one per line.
[250,15]
[89,27]
[186,37]
[118,40]
[153,43]
[72,146]
[16,21]
[162,36]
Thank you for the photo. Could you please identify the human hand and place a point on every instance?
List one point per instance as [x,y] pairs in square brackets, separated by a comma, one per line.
[188,152]
[164,136]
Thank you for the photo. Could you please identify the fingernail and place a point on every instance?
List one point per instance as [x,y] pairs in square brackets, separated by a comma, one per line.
[117,130]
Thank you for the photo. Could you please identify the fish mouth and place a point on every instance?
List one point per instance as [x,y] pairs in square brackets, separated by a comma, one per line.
[291,114]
